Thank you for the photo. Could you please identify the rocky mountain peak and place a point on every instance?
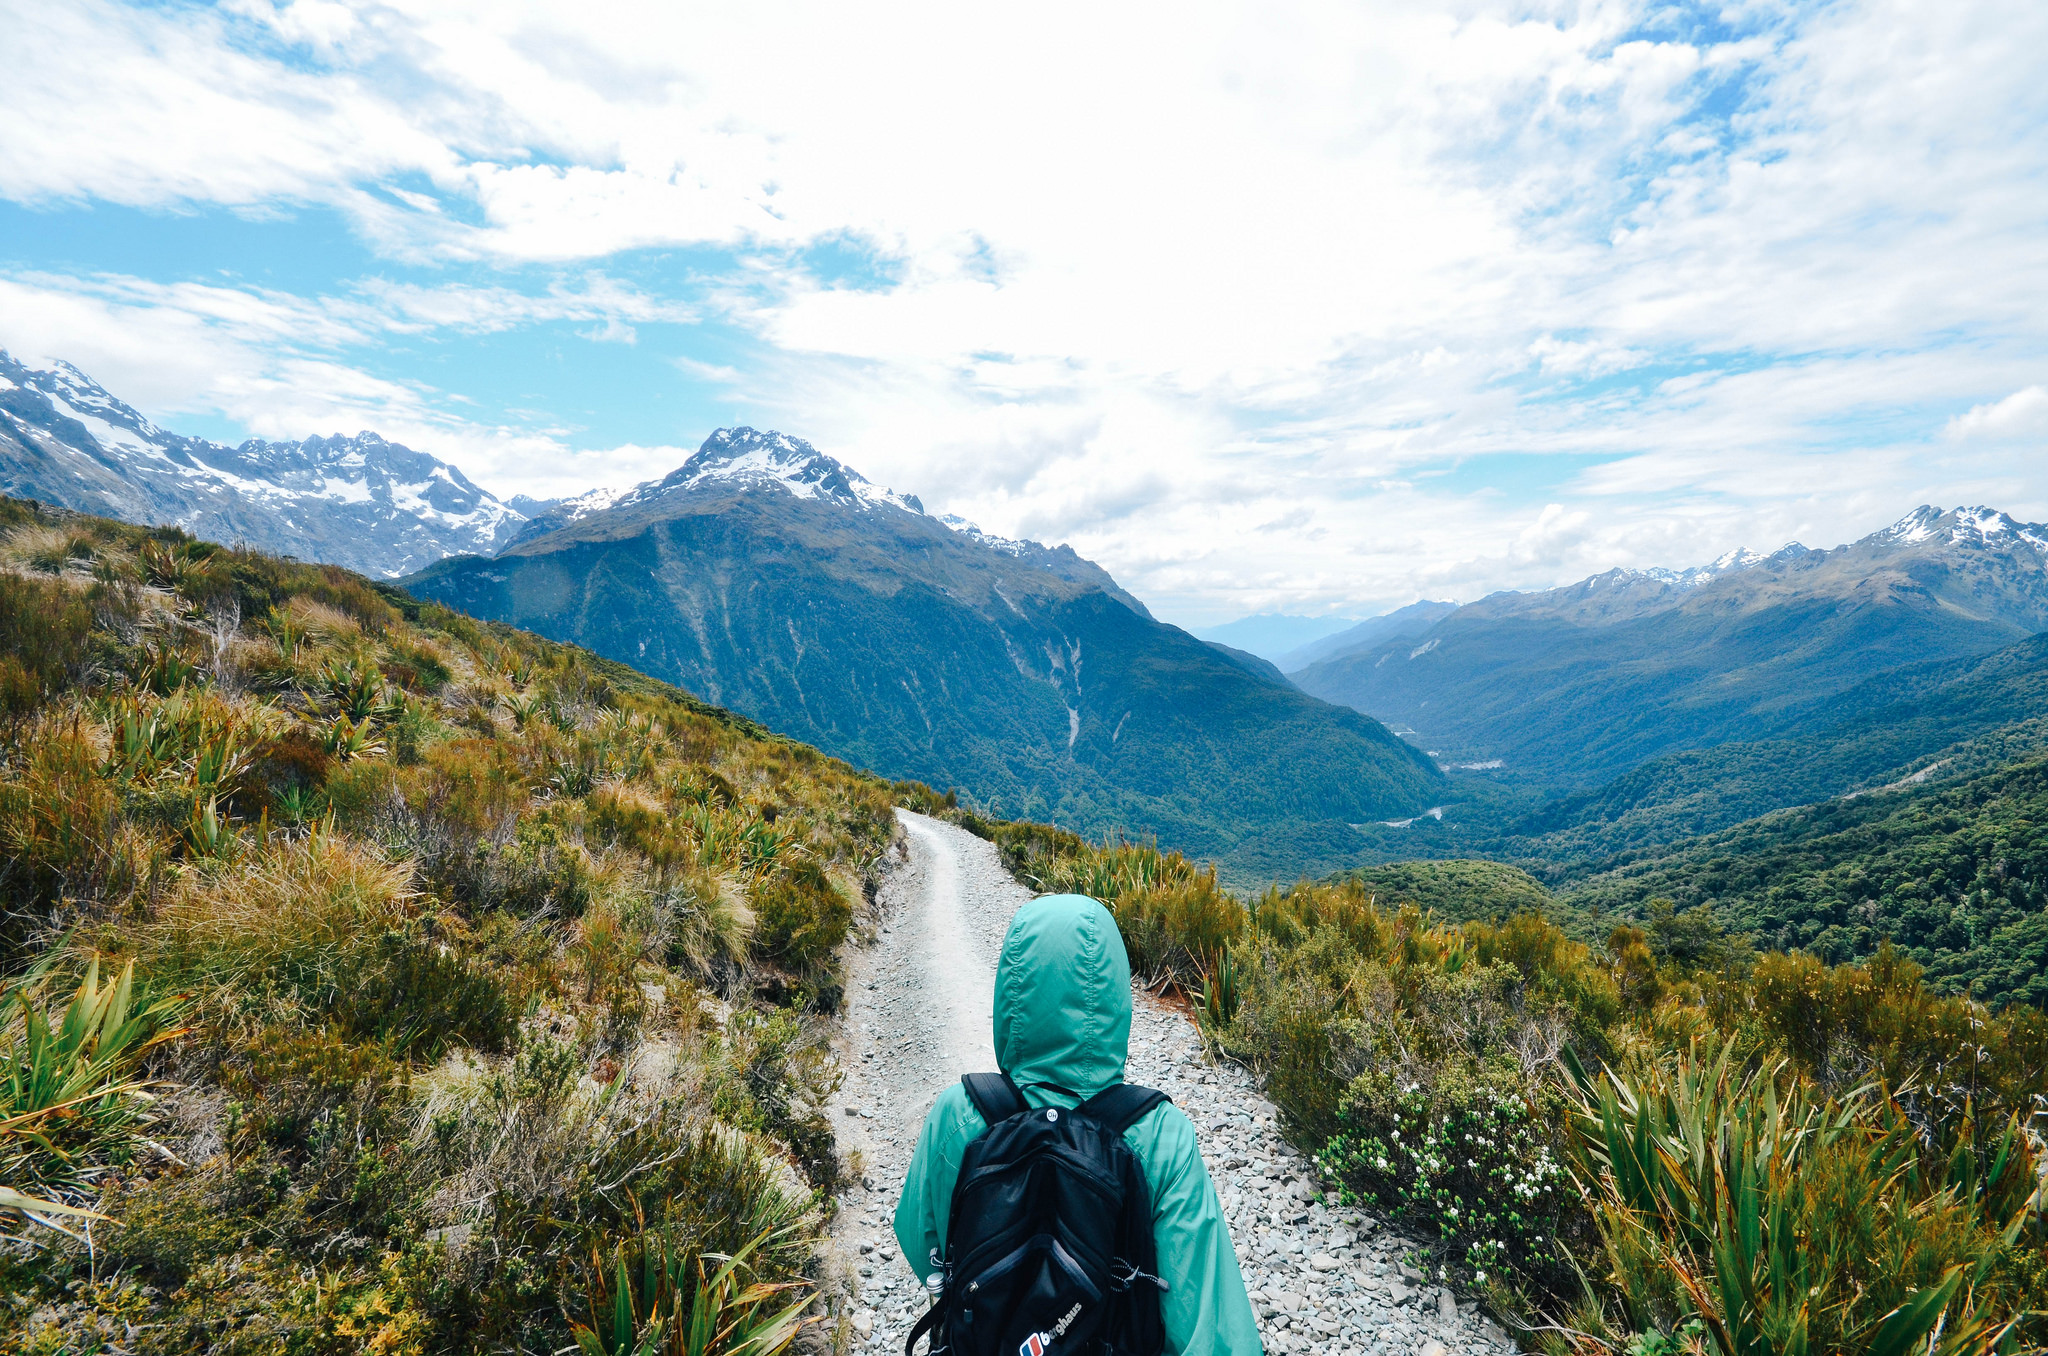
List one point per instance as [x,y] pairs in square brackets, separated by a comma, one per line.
[1728,562]
[751,456]
[1973,525]
[1008,546]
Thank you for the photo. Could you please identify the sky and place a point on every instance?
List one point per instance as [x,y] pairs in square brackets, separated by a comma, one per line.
[1300,308]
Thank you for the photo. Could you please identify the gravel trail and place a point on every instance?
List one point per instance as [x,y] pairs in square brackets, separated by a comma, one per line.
[918,1016]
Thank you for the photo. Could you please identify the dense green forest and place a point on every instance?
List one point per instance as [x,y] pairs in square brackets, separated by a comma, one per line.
[1916,820]
[1955,876]
[1937,721]
[1455,891]
[1949,719]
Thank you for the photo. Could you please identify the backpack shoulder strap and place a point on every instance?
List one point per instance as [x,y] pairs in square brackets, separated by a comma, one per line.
[993,1095]
[1119,1106]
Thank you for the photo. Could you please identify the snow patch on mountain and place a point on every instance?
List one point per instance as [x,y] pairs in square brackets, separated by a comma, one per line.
[1916,526]
[1729,562]
[1008,546]
[731,456]
[1971,525]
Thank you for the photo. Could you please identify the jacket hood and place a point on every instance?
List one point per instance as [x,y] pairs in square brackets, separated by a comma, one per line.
[1063,996]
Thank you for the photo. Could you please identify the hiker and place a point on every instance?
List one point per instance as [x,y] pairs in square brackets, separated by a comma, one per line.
[1038,1270]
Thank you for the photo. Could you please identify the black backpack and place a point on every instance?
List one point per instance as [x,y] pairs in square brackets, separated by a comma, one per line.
[1049,1241]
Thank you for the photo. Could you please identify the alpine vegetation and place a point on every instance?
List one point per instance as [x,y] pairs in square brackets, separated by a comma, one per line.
[1662,1142]
[386,981]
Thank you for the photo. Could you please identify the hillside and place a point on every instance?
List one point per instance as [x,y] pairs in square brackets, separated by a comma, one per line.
[391,981]
[1444,1070]
[359,502]
[1956,876]
[1568,689]
[463,966]
[1913,821]
[770,579]
[1936,721]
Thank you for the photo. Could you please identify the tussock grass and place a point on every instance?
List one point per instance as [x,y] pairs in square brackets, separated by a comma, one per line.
[499,963]
[279,927]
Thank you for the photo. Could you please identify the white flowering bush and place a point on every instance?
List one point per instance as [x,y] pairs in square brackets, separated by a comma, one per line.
[1470,1160]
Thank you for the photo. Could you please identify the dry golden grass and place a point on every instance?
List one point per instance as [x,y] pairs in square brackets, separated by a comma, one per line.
[278,922]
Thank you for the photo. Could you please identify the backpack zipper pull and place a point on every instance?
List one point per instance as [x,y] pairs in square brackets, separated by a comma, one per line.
[1123,1275]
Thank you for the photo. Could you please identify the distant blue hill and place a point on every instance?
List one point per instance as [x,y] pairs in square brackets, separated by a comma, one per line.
[1269,635]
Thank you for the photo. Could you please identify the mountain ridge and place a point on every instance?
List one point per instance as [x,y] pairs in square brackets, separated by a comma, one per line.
[848,617]
[362,502]
[1574,685]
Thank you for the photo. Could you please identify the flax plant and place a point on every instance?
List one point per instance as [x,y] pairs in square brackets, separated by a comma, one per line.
[71,1098]
[667,1311]
[1792,1223]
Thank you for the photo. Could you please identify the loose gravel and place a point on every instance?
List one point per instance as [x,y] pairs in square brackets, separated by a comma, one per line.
[1322,1278]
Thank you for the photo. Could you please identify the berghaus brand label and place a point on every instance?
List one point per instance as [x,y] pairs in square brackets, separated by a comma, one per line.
[1036,1344]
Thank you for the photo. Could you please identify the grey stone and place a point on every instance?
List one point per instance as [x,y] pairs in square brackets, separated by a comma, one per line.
[455,1236]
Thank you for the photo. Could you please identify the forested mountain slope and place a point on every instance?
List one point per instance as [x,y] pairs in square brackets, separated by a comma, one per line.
[767,577]
[1957,876]
[1942,721]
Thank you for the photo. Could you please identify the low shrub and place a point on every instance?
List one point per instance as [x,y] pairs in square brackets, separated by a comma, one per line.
[1471,1160]
[800,917]
[775,1073]
[415,997]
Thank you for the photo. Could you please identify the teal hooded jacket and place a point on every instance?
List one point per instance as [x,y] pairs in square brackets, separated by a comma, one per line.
[1063,1030]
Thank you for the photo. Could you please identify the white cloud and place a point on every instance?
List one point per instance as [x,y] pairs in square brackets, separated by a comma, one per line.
[2022,414]
[1161,274]
[272,363]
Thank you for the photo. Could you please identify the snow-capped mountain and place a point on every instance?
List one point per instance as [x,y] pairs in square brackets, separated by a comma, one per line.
[1741,558]
[779,471]
[372,505]
[771,579]
[735,457]
[1974,526]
